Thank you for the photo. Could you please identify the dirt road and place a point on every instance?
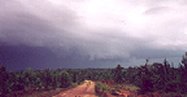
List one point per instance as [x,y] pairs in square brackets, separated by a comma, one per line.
[87,89]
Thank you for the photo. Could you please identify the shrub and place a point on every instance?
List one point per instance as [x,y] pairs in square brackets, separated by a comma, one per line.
[101,88]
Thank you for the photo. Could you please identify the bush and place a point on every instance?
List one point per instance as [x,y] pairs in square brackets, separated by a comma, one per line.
[130,87]
[101,88]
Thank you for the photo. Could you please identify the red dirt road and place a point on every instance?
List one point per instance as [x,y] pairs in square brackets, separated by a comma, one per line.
[87,89]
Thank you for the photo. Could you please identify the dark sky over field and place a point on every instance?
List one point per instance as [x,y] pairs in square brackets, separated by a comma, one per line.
[90,33]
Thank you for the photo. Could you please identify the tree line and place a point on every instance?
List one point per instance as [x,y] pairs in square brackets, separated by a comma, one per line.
[148,77]
[42,80]
[161,77]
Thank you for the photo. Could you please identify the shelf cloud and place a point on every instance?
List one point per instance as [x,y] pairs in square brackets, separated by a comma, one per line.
[98,29]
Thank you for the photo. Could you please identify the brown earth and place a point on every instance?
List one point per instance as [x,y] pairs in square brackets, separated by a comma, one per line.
[87,89]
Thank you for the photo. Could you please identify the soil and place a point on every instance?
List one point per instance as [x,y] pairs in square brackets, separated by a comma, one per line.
[87,89]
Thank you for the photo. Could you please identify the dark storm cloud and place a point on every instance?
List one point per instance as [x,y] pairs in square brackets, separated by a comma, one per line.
[117,31]
[143,53]
[25,29]
[20,25]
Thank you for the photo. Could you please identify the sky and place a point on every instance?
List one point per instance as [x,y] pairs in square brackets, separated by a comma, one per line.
[91,33]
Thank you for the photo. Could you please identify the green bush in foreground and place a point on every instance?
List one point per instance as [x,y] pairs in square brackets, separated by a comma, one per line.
[128,87]
[101,88]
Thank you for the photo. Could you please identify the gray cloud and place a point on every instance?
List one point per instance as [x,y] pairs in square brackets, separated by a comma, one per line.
[158,10]
[99,30]
[19,25]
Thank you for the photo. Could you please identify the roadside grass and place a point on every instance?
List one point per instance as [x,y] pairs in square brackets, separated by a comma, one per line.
[127,87]
[101,88]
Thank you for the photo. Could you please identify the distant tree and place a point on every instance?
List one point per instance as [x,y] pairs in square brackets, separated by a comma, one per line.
[3,81]
[118,74]
[146,61]
[146,83]
[65,79]
[166,62]
[184,60]
[75,77]
[184,72]
[167,69]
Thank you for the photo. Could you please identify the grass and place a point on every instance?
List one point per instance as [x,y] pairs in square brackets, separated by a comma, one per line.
[102,87]
[125,87]
[115,89]
[130,87]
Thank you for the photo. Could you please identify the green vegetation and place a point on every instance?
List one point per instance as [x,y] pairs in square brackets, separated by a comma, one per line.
[150,78]
[44,80]
[153,77]
[156,77]
[102,87]
[128,87]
